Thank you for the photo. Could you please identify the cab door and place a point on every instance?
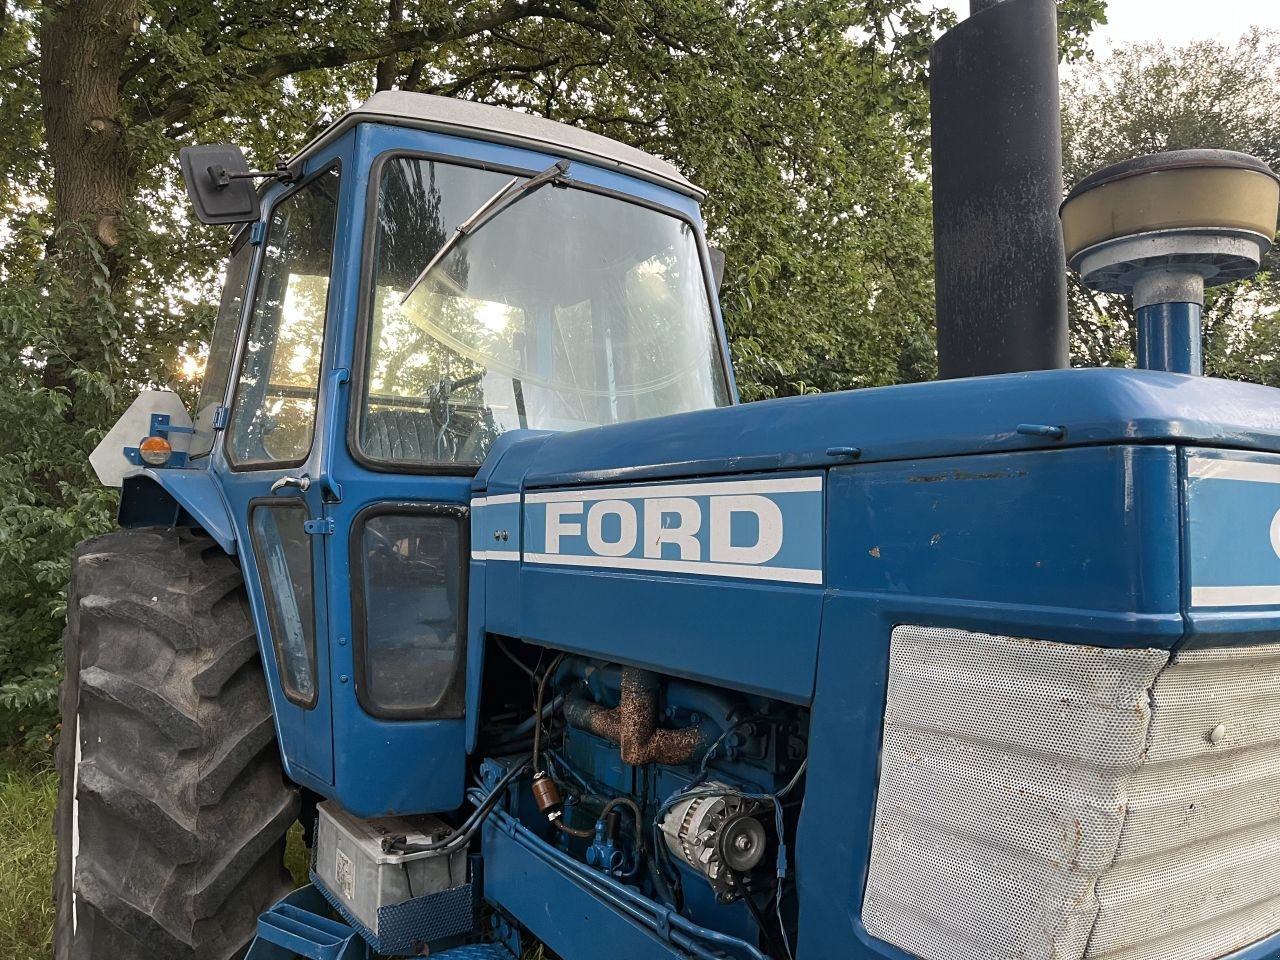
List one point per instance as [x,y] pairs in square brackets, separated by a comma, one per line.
[398,543]
[275,463]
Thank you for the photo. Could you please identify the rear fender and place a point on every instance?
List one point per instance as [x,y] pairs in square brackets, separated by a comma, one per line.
[169,497]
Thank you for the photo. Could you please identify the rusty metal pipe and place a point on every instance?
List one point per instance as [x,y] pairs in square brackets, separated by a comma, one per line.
[633,724]
[602,679]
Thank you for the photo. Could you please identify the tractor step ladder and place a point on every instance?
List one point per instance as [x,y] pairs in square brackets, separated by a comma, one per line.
[300,926]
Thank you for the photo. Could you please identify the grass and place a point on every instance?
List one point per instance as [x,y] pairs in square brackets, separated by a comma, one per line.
[27,795]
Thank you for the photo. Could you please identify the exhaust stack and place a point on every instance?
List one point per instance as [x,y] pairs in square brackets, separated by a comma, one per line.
[997,184]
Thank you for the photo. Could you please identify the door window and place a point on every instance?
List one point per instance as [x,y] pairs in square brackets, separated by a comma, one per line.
[283,549]
[217,369]
[408,612]
[273,416]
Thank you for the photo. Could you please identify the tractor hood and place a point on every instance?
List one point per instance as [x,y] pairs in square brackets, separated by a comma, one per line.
[1025,411]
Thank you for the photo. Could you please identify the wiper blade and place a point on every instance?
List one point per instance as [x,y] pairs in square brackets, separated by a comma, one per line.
[511,191]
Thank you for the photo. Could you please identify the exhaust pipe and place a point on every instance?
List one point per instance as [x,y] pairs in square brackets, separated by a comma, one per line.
[1000,271]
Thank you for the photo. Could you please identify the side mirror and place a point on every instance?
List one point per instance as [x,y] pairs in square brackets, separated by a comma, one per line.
[717,266]
[219,183]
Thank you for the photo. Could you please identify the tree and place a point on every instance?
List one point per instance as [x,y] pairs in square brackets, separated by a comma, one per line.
[807,121]
[1146,98]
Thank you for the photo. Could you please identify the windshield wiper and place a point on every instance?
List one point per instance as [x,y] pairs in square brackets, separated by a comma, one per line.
[512,191]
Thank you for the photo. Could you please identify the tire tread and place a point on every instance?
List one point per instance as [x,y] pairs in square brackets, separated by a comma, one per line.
[183,807]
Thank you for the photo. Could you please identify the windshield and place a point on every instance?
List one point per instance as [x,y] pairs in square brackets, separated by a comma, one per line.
[569,309]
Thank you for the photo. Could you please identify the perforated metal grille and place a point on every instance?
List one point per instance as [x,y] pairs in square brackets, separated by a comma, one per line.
[1197,869]
[1056,801]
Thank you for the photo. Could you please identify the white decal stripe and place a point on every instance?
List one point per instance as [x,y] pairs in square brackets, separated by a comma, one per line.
[75,825]
[495,554]
[713,488]
[495,501]
[1204,467]
[1235,596]
[697,568]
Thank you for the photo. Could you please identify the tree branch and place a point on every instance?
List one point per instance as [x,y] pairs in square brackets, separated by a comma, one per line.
[267,71]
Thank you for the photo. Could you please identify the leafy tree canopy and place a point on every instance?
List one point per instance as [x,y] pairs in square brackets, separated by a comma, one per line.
[1147,98]
[806,120]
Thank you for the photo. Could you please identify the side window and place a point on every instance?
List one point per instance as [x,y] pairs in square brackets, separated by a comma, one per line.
[217,369]
[283,550]
[408,611]
[273,416]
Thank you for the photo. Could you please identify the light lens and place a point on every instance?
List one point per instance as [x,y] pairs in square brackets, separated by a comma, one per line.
[155,451]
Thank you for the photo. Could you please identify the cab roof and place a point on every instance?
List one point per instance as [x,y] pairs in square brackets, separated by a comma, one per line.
[512,128]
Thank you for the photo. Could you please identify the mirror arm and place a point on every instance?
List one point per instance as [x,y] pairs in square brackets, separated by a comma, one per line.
[222,178]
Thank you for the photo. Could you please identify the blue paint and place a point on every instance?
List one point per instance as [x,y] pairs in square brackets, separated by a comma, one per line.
[912,421]
[660,622]
[297,925]
[1228,544]
[1169,337]
[1233,526]
[1084,531]
[300,925]
[199,493]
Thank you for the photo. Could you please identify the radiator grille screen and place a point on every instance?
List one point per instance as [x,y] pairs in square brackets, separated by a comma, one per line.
[1052,801]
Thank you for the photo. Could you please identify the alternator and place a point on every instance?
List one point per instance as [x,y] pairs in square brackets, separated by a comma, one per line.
[719,834]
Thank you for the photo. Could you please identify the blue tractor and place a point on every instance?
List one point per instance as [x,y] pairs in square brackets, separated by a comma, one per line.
[470,562]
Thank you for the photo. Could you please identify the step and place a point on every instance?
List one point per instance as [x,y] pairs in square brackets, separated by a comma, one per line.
[480,951]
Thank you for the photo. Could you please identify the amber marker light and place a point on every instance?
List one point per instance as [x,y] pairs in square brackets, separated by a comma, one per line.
[155,451]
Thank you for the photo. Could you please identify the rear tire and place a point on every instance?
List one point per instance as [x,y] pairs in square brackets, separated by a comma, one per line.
[172,808]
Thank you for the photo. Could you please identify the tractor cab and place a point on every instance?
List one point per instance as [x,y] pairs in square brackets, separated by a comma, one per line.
[555,282]
[424,277]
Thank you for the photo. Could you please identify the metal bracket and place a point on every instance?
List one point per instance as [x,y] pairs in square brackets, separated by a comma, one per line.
[220,418]
[257,232]
[161,427]
[319,527]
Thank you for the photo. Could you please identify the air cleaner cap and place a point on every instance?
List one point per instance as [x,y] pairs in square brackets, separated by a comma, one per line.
[1212,212]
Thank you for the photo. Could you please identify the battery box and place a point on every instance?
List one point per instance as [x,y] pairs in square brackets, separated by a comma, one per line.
[351,864]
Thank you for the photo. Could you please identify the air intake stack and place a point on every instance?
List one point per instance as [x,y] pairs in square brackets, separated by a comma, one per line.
[1163,227]
[997,184]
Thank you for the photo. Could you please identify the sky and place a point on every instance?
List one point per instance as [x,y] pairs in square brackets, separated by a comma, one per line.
[1172,22]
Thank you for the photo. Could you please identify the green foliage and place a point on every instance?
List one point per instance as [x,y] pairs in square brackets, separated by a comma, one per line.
[1076,20]
[808,127]
[1146,98]
[806,122]
[51,497]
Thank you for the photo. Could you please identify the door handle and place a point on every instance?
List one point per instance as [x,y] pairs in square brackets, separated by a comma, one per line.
[330,489]
[302,483]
